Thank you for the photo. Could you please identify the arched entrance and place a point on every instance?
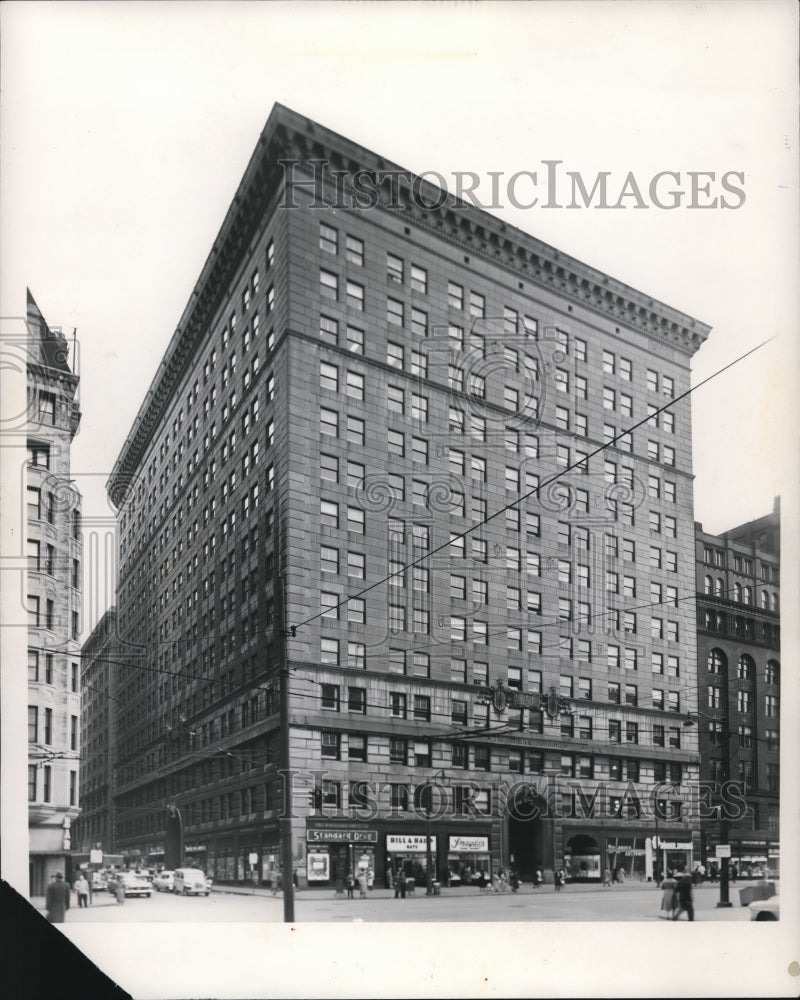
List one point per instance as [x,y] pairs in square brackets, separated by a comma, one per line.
[529,836]
[582,859]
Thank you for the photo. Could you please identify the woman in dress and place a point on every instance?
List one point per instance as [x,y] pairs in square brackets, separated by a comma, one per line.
[668,900]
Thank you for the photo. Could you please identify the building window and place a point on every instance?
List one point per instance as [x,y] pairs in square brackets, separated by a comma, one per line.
[398,750]
[458,712]
[329,651]
[329,285]
[329,694]
[356,747]
[394,268]
[328,239]
[394,312]
[421,753]
[331,746]
[356,655]
[39,455]
[354,250]
[355,295]
[422,707]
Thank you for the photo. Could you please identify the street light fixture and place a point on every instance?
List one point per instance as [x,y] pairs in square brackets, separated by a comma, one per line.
[724,833]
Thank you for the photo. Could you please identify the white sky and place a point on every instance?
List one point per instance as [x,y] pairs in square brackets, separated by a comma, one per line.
[127,127]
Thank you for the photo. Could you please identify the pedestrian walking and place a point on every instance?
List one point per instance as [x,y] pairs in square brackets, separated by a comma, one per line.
[495,883]
[668,901]
[400,884]
[607,877]
[684,897]
[537,877]
[56,900]
[733,873]
[276,881]
[350,883]
[560,879]
[82,889]
[362,884]
[119,889]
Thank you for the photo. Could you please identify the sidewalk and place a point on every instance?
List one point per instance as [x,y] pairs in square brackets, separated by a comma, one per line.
[472,892]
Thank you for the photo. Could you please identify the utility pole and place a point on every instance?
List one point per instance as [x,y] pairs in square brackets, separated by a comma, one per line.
[724,832]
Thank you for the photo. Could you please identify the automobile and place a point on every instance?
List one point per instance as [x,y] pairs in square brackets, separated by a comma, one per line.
[97,882]
[145,873]
[163,881]
[765,909]
[135,885]
[191,881]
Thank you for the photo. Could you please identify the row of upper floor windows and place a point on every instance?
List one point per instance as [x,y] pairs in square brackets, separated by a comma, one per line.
[717,663]
[514,324]
[767,600]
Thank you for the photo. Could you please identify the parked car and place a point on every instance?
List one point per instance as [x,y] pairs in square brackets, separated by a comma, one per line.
[145,873]
[97,882]
[191,881]
[135,885]
[163,881]
[765,909]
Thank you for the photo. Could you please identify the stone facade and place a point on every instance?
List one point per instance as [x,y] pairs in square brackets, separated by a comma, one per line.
[353,391]
[94,829]
[54,601]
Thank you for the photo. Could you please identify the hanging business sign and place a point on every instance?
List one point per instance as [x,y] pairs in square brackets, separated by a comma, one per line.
[676,845]
[501,698]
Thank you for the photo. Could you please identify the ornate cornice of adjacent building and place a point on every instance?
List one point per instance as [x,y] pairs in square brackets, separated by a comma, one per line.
[288,135]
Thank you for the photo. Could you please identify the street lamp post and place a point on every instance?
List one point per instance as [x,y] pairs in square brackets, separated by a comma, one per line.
[428,853]
[656,847]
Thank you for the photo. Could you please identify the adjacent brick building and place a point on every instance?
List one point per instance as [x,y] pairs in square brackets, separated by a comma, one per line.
[53,524]
[739,677]
[94,828]
[352,390]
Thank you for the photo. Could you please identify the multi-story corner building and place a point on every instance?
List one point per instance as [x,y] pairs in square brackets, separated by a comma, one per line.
[94,828]
[53,599]
[739,674]
[455,464]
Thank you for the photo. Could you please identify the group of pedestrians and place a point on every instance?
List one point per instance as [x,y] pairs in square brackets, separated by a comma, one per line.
[58,896]
[360,880]
[677,896]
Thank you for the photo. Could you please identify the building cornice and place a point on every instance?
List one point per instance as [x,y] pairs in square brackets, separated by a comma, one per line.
[288,135]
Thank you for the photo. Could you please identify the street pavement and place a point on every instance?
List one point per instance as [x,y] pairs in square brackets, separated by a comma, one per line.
[631,901]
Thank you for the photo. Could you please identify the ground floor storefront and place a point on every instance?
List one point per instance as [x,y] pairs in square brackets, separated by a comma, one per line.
[386,851]
[595,853]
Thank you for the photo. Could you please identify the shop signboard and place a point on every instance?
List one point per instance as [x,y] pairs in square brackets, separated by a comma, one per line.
[469,845]
[676,845]
[341,836]
[408,843]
